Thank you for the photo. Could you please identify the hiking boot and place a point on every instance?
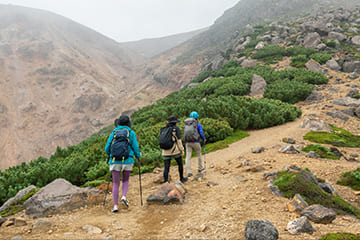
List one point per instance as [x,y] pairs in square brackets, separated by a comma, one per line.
[200,170]
[183,180]
[124,203]
[115,209]
[189,175]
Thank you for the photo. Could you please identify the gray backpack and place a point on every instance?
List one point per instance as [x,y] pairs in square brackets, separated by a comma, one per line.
[191,133]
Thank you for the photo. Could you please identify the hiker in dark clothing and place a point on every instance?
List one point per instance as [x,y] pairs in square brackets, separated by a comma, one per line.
[125,166]
[176,152]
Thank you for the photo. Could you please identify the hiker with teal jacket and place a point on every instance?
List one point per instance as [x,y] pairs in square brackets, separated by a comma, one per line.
[122,147]
[193,132]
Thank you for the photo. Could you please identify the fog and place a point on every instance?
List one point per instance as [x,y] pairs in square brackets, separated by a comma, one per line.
[130,20]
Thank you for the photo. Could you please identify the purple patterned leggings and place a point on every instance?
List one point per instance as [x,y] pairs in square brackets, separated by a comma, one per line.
[116,184]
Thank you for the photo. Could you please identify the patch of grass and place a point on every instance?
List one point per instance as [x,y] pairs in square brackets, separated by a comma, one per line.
[340,138]
[340,236]
[236,136]
[323,151]
[351,179]
[303,182]
[357,96]
[18,206]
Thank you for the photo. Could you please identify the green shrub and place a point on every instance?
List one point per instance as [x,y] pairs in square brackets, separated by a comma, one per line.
[323,151]
[299,61]
[288,91]
[270,53]
[341,236]
[342,139]
[351,179]
[291,183]
[330,44]
[321,58]
[356,96]
[299,50]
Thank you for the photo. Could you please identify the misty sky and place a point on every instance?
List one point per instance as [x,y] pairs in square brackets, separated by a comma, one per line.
[130,20]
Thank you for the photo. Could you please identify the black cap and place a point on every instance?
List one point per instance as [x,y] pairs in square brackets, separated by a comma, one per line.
[173,119]
[124,121]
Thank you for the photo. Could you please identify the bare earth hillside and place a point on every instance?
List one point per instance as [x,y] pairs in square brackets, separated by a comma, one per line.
[219,206]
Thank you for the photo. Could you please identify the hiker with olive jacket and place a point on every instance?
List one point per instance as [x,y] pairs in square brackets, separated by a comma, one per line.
[175,151]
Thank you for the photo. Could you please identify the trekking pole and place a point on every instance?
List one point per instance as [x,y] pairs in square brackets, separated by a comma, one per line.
[107,189]
[204,160]
[140,183]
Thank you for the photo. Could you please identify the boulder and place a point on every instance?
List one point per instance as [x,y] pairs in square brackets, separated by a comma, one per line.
[333,65]
[258,85]
[168,193]
[260,229]
[316,125]
[311,40]
[300,225]
[248,63]
[315,66]
[319,214]
[315,96]
[347,101]
[297,204]
[356,40]
[60,196]
[338,115]
[336,35]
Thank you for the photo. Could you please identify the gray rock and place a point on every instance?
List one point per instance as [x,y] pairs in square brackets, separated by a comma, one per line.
[333,65]
[353,75]
[337,114]
[289,149]
[257,149]
[350,112]
[319,214]
[248,63]
[17,238]
[312,154]
[347,101]
[351,66]
[357,112]
[2,220]
[315,96]
[327,187]
[311,40]
[260,229]
[91,229]
[300,225]
[316,125]
[352,92]
[41,225]
[336,35]
[356,40]
[60,196]
[315,66]
[257,86]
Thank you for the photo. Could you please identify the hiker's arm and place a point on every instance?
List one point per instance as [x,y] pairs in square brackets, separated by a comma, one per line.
[179,142]
[108,143]
[135,145]
[201,132]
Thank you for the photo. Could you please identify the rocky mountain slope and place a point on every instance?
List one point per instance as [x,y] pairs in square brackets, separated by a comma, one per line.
[59,83]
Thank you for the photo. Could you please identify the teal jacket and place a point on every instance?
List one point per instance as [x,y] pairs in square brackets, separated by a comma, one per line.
[133,146]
